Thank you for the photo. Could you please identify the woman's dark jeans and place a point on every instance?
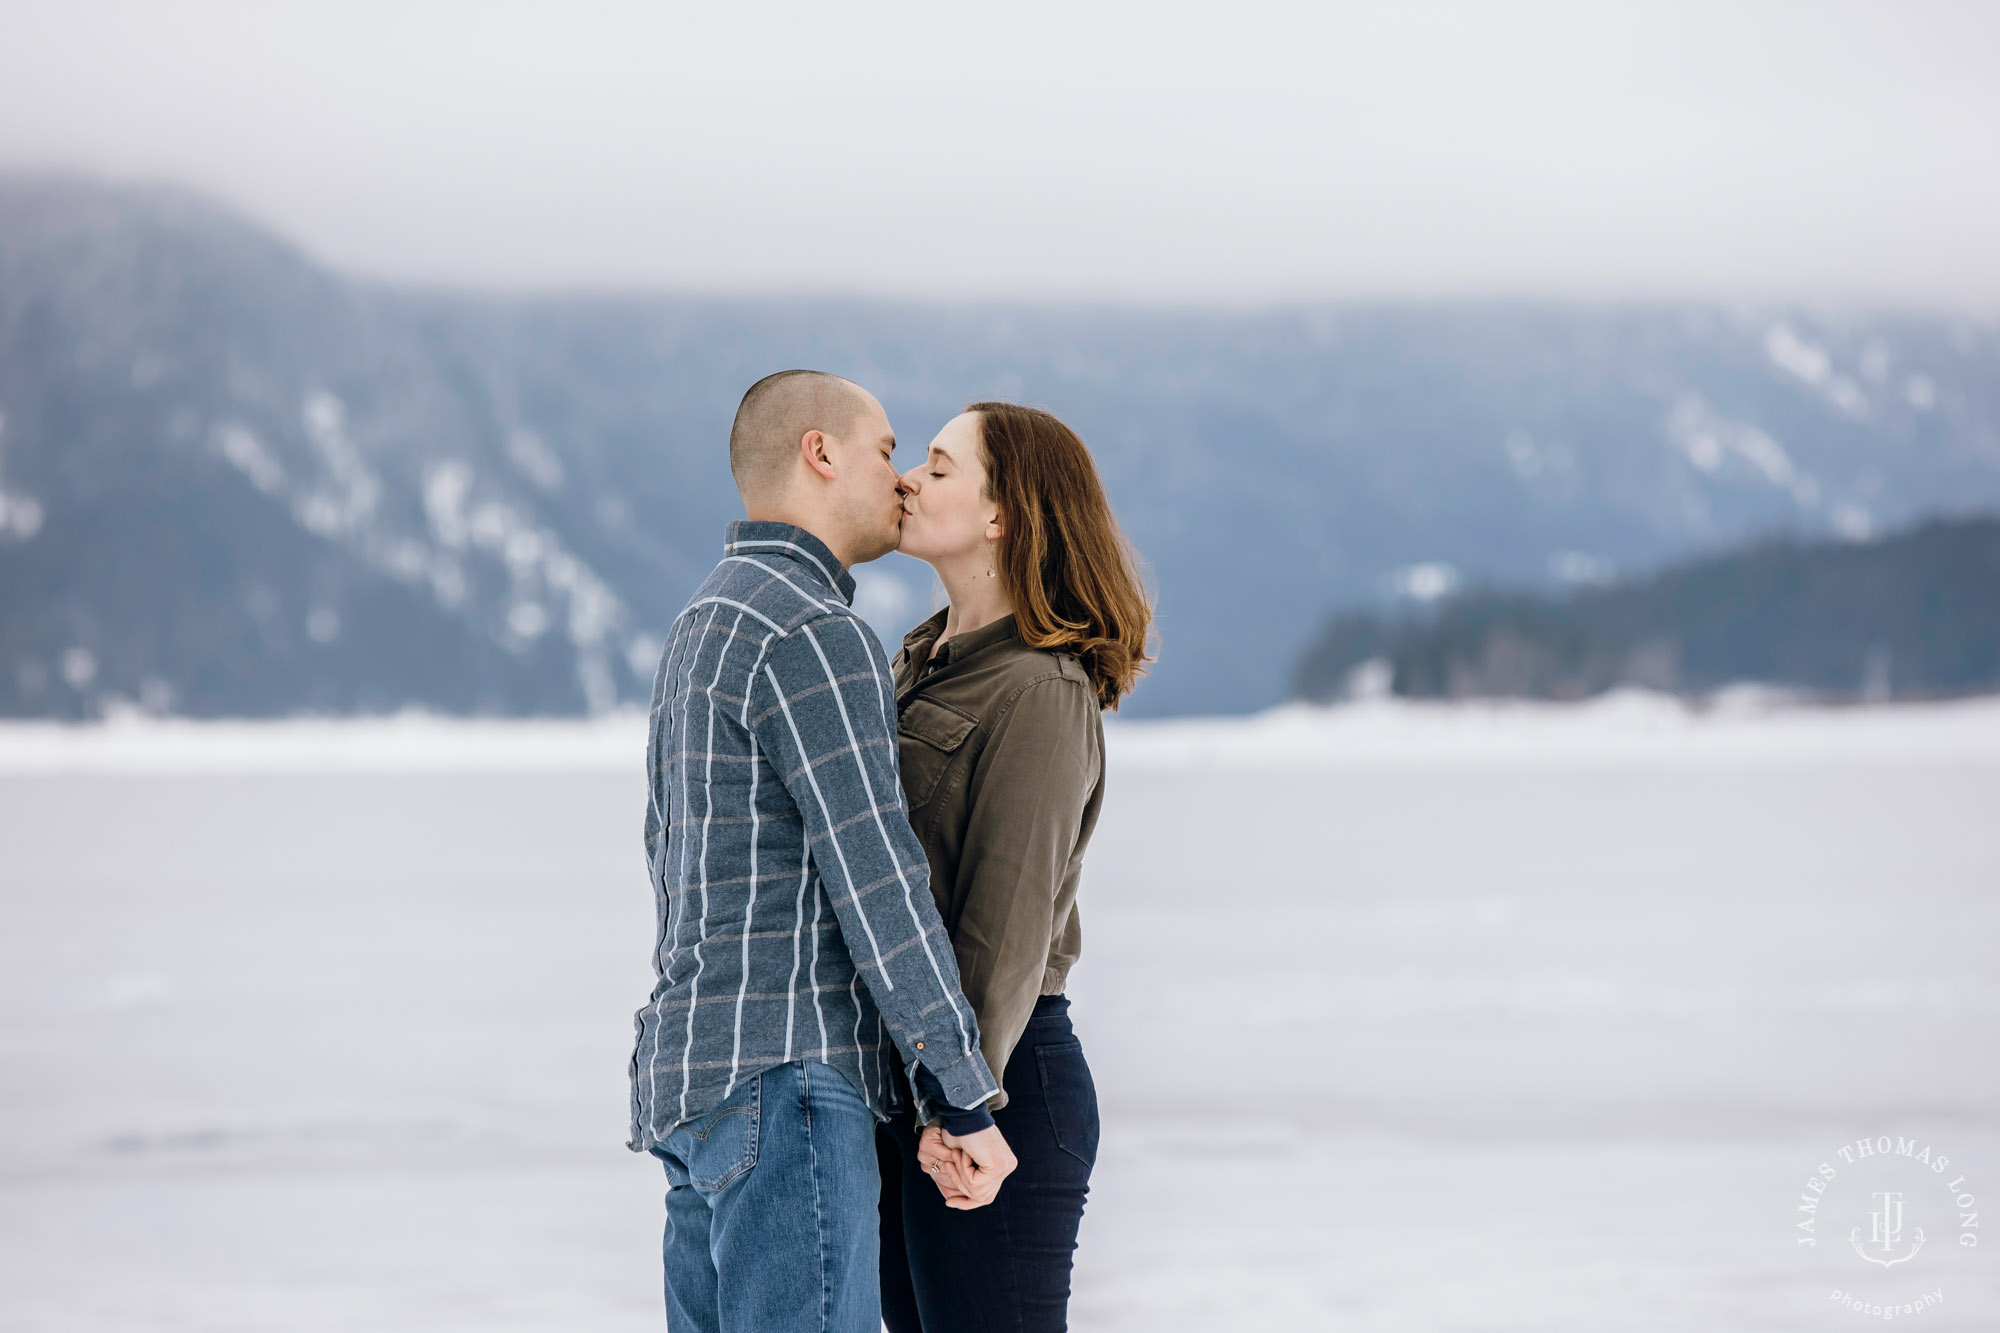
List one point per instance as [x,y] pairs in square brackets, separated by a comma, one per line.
[1007,1265]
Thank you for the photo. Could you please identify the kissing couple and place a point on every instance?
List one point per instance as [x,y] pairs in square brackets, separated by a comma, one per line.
[857,1065]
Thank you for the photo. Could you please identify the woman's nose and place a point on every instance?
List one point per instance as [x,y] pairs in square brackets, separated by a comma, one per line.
[908,483]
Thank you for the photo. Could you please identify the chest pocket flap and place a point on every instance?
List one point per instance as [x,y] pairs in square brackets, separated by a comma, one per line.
[937,724]
[929,734]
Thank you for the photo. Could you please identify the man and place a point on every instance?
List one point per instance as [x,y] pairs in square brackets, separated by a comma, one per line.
[800,950]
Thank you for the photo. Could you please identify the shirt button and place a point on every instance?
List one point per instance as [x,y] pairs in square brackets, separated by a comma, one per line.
[920,1046]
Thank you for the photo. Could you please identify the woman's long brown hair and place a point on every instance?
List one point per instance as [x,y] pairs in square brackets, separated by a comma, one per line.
[1073,576]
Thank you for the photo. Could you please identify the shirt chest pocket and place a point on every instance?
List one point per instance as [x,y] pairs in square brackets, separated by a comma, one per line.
[929,734]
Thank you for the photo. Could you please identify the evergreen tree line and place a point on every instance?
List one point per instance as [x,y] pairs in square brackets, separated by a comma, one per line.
[1914,615]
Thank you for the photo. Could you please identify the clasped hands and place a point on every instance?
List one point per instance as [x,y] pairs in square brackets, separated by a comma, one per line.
[967,1171]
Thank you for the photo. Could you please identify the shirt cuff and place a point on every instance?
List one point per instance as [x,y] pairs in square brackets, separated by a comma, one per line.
[958,1122]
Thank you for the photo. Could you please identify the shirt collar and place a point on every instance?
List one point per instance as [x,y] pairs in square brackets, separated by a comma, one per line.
[960,646]
[788,542]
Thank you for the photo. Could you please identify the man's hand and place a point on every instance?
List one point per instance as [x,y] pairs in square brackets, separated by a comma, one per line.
[948,1167]
[968,1171]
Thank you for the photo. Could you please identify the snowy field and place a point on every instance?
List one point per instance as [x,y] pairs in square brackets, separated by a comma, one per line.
[1405,1020]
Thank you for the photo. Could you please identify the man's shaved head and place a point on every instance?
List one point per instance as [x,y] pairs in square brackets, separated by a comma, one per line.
[776,413]
[814,450]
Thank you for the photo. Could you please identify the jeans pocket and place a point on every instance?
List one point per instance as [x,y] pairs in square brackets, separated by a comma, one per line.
[722,1145]
[1071,1097]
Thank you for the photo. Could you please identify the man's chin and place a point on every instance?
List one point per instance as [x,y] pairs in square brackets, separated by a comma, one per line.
[890,541]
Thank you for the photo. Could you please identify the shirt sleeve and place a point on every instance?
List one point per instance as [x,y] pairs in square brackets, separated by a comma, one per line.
[823,710]
[1027,792]
[959,1123]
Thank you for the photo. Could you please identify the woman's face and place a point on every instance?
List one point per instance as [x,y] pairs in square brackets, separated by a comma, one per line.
[947,518]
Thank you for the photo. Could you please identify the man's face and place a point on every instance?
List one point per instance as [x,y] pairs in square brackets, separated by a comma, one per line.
[868,492]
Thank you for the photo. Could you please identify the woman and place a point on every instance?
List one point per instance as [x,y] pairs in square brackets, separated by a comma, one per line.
[999,699]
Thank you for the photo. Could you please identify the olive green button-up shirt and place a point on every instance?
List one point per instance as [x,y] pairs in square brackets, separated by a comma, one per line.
[1002,749]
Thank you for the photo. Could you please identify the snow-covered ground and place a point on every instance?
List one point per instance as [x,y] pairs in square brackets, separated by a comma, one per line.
[1404,1018]
[1746,726]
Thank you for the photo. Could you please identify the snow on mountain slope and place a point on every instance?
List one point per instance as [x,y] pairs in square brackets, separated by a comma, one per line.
[235,483]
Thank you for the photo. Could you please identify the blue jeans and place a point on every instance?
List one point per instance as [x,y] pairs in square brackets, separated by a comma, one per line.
[772,1215]
[1004,1267]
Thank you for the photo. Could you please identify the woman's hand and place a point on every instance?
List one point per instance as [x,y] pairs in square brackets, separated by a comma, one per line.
[968,1171]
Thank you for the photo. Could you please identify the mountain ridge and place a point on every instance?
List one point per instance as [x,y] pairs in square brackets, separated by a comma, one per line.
[1913,615]
[234,481]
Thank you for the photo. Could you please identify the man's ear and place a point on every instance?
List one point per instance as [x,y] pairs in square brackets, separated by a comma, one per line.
[817,450]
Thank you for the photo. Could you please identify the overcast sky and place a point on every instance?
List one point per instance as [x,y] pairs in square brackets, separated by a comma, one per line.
[1161,152]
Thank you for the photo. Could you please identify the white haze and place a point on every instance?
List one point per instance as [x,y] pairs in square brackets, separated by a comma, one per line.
[1164,152]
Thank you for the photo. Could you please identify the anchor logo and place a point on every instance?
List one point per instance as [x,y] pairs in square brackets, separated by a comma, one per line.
[1886,1233]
